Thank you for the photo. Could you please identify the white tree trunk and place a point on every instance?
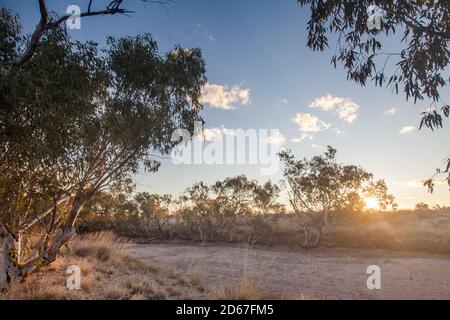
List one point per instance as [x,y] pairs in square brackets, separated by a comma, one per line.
[15,269]
[11,259]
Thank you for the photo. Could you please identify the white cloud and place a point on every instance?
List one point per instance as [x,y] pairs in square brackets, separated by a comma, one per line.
[277,138]
[309,124]
[406,130]
[283,101]
[302,137]
[415,183]
[338,131]
[326,102]
[419,183]
[222,97]
[199,31]
[346,109]
[211,134]
[390,112]
[211,37]
[316,146]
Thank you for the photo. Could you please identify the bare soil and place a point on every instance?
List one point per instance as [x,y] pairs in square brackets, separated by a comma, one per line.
[337,273]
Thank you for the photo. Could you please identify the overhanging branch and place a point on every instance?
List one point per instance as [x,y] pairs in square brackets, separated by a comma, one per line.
[44,24]
[44,213]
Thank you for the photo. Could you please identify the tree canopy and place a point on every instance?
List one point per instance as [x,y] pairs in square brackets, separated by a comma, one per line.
[419,69]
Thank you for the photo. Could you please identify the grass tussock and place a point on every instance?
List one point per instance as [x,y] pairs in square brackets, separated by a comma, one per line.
[104,246]
[248,290]
[244,290]
[106,273]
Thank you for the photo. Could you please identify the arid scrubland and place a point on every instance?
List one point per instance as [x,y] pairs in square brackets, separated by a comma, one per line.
[109,273]
[106,273]
[408,230]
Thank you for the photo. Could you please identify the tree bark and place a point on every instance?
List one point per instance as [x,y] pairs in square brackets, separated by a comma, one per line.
[15,269]
[307,236]
[318,236]
[11,259]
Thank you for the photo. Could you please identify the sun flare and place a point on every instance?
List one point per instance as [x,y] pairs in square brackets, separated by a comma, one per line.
[371,203]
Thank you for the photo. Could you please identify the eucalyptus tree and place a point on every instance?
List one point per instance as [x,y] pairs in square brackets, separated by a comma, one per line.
[319,188]
[75,121]
[154,210]
[379,191]
[213,210]
[265,199]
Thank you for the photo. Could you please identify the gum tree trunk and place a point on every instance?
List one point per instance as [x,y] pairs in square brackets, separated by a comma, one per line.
[15,269]
[11,258]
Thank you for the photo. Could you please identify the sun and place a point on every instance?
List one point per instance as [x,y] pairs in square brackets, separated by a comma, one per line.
[371,203]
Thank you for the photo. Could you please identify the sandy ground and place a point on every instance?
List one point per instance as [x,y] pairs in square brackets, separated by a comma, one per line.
[321,273]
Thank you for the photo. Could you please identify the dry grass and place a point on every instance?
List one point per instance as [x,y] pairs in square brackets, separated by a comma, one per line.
[106,273]
[244,290]
[426,231]
[248,290]
[405,230]
[104,246]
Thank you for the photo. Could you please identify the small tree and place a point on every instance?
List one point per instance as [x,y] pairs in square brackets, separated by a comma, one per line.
[319,188]
[379,191]
[214,210]
[421,206]
[155,211]
[265,199]
[197,212]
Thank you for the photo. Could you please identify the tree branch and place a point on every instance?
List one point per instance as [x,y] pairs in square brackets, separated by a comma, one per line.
[424,29]
[37,35]
[54,24]
[43,213]
[44,25]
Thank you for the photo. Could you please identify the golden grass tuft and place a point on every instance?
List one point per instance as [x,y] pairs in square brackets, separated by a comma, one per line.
[244,290]
[104,246]
[106,273]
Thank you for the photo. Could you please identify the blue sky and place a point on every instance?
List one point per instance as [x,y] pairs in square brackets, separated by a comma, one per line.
[259,48]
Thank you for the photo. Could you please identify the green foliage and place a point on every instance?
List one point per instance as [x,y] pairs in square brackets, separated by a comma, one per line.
[429,183]
[213,210]
[154,209]
[421,206]
[9,36]
[419,67]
